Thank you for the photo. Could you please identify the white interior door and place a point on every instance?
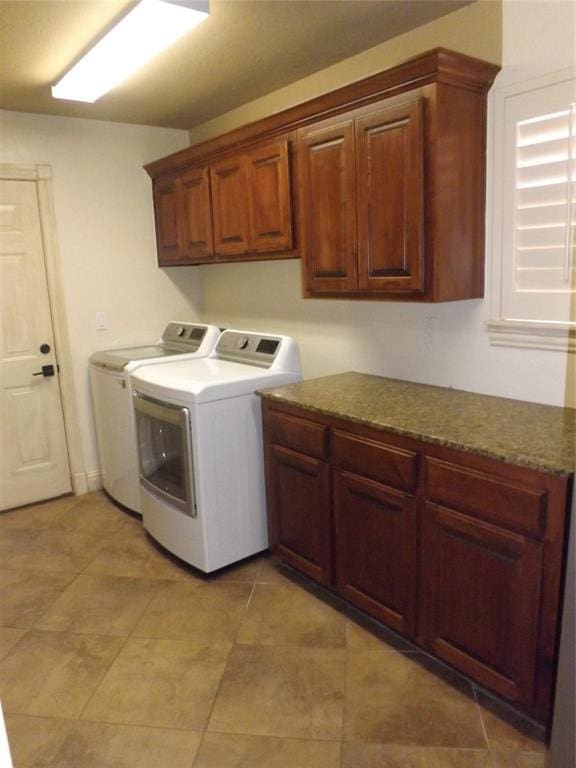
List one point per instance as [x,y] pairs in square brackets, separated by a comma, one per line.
[33,452]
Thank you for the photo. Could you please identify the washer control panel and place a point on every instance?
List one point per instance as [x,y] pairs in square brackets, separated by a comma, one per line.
[189,335]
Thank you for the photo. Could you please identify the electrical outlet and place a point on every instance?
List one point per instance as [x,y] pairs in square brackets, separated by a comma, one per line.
[101,321]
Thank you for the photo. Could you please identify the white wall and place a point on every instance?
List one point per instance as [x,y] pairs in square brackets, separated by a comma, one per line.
[394,339]
[104,215]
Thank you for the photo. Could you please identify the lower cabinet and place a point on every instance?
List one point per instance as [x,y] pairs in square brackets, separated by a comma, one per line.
[480,600]
[301,511]
[375,548]
[461,554]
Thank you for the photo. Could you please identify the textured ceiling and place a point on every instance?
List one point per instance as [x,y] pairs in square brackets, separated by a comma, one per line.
[246,49]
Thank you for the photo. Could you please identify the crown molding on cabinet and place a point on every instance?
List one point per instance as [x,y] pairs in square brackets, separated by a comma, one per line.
[435,66]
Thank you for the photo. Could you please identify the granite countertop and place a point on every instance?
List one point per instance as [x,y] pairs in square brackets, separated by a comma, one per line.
[530,435]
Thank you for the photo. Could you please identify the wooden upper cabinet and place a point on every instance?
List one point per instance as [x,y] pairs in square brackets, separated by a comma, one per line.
[390,198]
[237,208]
[229,181]
[326,179]
[166,208]
[389,186]
[196,215]
[361,190]
[270,205]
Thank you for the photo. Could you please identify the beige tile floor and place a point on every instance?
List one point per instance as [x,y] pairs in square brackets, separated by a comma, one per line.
[112,653]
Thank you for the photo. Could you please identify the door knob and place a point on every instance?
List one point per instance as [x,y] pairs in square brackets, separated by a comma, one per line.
[47,370]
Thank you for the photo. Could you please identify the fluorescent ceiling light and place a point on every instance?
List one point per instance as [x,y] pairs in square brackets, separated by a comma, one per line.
[149,28]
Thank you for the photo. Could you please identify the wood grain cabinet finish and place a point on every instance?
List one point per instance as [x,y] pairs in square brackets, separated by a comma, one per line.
[375,546]
[387,209]
[229,180]
[269,200]
[390,198]
[327,217]
[300,509]
[195,216]
[378,186]
[480,599]
[237,208]
[167,214]
[362,200]
[459,553]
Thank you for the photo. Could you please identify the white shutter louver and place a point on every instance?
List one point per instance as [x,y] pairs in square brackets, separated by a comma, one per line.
[539,205]
[545,195]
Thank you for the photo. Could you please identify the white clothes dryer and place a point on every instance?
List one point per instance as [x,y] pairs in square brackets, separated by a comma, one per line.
[110,372]
[199,433]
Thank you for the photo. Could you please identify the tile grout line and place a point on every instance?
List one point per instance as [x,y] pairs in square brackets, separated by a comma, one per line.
[74,580]
[120,649]
[124,644]
[344,703]
[233,645]
[483,724]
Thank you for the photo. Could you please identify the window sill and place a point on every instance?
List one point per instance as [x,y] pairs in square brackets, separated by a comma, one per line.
[517,333]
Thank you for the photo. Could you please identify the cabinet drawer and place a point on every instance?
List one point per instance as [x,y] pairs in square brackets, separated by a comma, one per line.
[387,463]
[489,497]
[305,436]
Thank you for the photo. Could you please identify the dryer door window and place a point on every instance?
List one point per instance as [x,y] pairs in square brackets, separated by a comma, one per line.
[165,452]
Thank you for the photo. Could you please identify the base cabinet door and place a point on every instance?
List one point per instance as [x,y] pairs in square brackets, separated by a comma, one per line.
[300,509]
[375,545]
[480,597]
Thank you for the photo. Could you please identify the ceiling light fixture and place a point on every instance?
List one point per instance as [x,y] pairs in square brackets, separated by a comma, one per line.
[145,31]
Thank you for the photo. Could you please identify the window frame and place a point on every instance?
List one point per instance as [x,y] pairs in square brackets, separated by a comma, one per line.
[531,333]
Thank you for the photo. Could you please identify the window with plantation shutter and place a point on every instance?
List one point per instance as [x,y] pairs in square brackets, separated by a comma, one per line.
[534,269]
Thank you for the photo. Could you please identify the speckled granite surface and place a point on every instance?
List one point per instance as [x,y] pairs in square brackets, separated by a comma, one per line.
[527,434]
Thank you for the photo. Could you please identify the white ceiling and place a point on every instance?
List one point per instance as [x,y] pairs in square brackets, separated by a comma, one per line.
[247,48]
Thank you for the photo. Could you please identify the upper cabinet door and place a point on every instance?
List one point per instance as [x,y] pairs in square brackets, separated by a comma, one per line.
[196,215]
[166,213]
[326,193]
[230,206]
[390,198]
[269,198]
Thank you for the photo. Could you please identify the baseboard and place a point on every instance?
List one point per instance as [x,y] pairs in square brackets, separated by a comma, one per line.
[86,482]
[94,481]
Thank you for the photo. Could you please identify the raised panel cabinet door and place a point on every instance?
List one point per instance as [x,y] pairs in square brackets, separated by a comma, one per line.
[269,198]
[375,545]
[196,216]
[390,198]
[327,215]
[480,598]
[166,212]
[229,184]
[300,506]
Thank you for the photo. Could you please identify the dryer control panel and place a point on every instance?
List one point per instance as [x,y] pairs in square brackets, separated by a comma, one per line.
[264,351]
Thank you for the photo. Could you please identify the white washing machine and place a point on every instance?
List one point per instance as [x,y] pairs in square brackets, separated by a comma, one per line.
[199,434]
[110,372]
